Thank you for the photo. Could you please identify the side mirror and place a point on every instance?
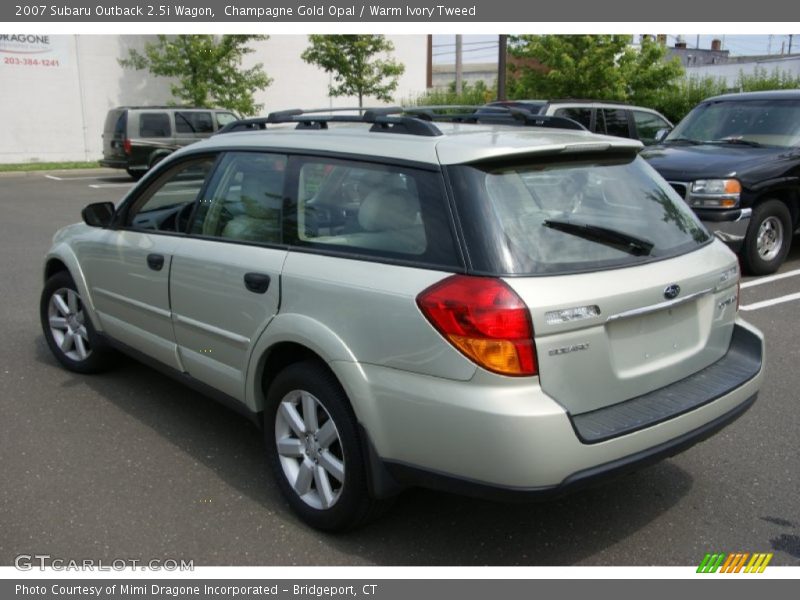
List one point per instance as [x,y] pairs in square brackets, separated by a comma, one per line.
[661,134]
[98,214]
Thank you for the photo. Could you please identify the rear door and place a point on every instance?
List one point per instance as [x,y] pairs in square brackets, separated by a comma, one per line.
[114,134]
[225,279]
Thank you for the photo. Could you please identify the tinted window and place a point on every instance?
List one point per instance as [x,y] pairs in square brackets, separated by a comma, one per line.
[115,122]
[371,209]
[647,125]
[166,205]
[193,122]
[154,125]
[581,115]
[616,121]
[529,218]
[245,199]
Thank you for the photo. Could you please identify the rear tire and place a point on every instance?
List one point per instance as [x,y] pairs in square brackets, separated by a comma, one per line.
[314,449]
[769,237]
[68,329]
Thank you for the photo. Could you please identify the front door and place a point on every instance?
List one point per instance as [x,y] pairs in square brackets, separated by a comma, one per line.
[127,269]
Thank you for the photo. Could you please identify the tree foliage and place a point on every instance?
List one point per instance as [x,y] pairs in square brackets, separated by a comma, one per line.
[207,69]
[356,64]
[603,67]
[476,93]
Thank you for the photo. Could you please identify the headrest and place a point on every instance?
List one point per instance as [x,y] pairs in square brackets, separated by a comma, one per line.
[385,209]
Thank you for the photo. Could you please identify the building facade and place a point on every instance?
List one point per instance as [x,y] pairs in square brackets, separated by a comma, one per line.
[57,89]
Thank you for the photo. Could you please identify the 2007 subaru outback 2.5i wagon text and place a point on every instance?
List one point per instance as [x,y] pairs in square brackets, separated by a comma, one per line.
[495,310]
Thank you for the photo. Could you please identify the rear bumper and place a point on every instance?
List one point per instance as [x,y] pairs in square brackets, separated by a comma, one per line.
[729,225]
[505,438]
[114,163]
[409,476]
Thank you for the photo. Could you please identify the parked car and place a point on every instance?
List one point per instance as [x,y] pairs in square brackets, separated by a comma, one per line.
[490,310]
[136,138]
[735,159]
[609,118]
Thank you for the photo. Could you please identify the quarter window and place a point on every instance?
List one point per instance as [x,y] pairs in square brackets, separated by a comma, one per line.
[369,209]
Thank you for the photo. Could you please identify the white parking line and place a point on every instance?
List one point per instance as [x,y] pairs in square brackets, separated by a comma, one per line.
[771,302]
[109,185]
[770,279]
[57,178]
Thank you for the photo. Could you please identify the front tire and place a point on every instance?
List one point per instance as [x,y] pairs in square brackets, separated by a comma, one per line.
[768,238]
[314,448]
[68,329]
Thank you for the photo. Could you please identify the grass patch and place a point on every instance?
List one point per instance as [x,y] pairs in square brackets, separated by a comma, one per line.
[47,166]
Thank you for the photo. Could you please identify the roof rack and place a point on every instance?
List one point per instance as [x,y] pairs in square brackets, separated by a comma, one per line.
[416,120]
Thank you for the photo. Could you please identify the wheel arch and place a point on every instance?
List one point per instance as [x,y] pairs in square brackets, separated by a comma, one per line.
[789,195]
[61,259]
[291,338]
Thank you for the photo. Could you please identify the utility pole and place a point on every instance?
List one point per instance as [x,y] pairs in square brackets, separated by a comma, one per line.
[501,67]
[459,84]
[429,64]
[790,43]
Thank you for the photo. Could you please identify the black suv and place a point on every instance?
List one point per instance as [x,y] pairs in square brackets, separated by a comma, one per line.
[735,159]
[135,138]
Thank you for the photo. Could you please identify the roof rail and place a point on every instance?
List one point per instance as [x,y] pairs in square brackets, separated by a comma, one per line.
[415,120]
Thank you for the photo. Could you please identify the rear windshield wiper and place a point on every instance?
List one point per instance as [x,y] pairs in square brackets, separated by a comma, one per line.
[735,140]
[610,237]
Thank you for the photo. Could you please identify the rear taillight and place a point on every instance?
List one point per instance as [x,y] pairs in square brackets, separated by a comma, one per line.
[485,320]
[126,146]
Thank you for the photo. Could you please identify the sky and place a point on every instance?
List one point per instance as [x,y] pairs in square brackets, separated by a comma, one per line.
[483,48]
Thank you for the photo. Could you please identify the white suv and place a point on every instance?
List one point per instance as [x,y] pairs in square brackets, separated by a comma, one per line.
[495,310]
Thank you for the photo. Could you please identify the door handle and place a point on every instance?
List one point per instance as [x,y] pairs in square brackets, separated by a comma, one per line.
[155,261]
[256,282]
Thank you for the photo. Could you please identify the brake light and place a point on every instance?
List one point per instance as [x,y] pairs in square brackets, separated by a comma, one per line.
[484,319]
[126,146]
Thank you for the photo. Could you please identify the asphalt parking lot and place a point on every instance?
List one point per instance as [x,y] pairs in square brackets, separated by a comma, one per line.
[132,465]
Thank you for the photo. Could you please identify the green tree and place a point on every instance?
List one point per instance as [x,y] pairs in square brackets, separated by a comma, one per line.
[589,66]
[356,69]
[208,69]
[646,73]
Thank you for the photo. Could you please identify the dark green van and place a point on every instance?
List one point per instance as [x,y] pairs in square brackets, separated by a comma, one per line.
[135,138]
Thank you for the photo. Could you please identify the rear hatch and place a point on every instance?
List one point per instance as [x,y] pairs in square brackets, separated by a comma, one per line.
[627,291]
[114,134]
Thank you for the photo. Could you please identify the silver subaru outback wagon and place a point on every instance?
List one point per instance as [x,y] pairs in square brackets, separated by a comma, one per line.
[400,299]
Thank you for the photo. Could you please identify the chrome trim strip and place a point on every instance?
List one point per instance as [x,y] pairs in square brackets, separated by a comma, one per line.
[130,301]
[636,312]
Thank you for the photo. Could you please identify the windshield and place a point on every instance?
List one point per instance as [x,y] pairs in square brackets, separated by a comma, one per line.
[751,122]
[566,217]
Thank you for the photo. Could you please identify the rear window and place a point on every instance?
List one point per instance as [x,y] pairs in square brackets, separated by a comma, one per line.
[115,122]
[530,218]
